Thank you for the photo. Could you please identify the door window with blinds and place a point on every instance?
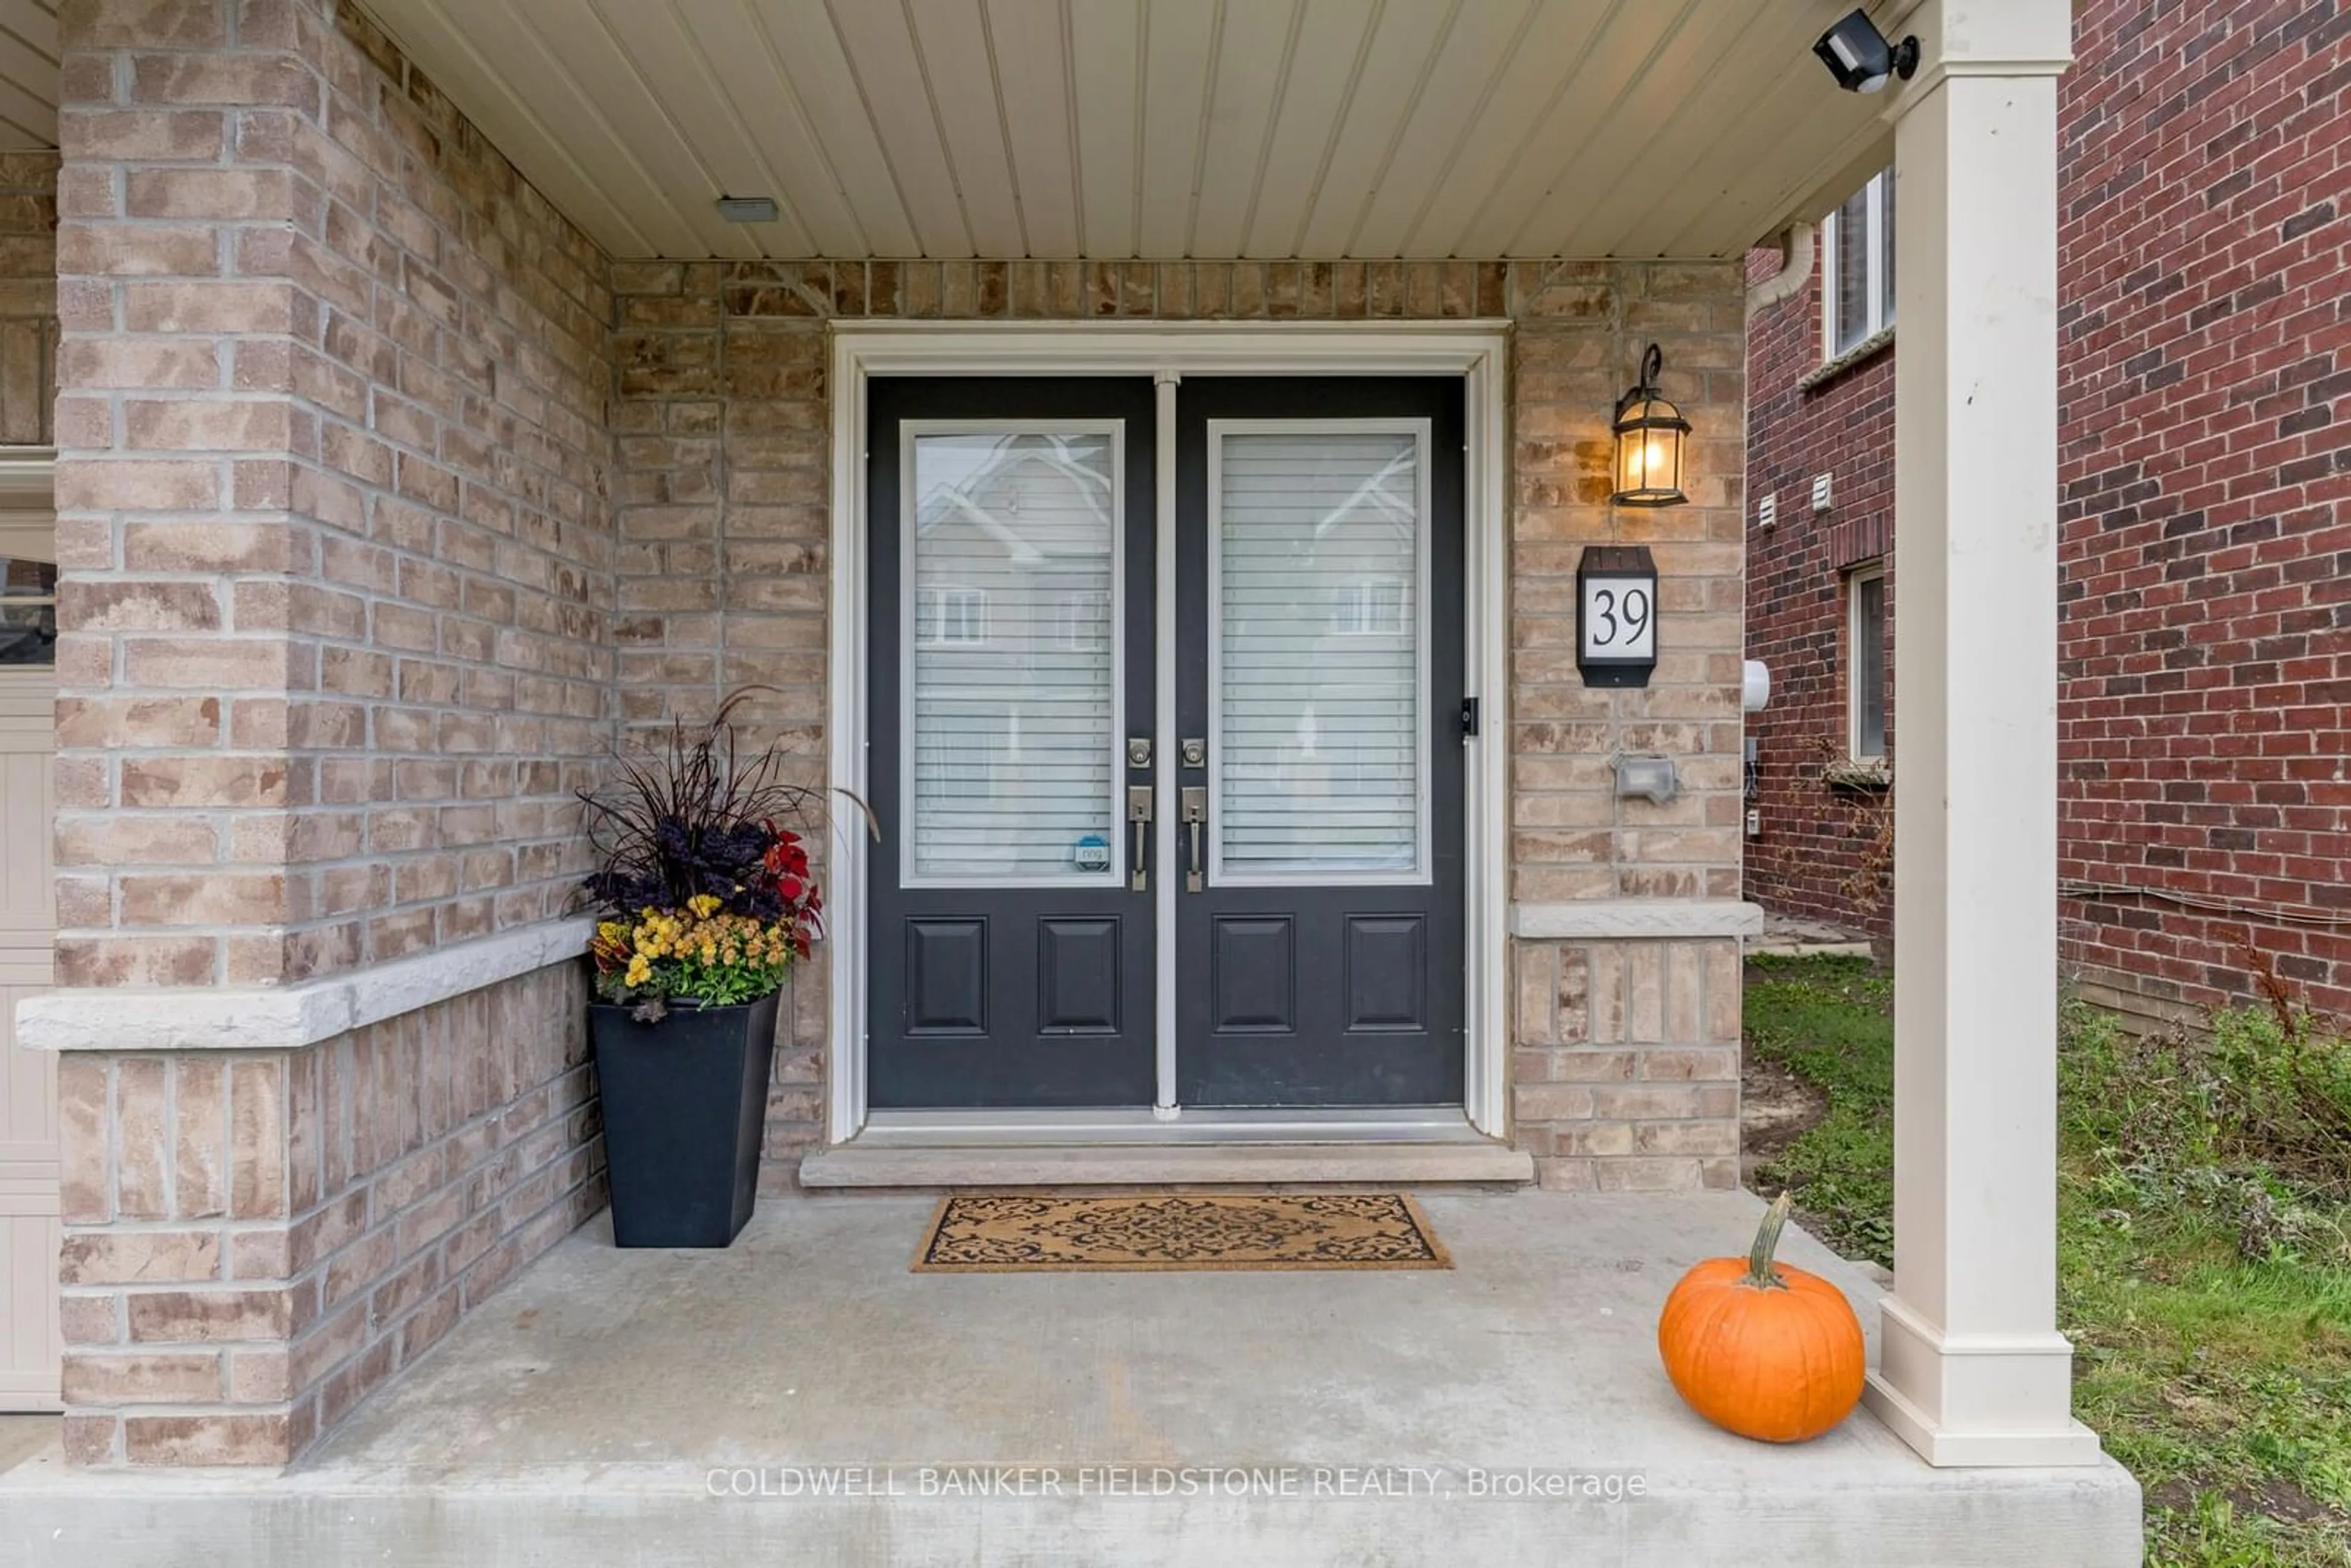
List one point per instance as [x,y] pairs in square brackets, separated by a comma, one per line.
[1010,700]
[1318,651]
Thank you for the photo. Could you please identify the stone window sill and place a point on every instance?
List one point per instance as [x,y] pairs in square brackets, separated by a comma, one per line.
[1861,353]
[1873,774]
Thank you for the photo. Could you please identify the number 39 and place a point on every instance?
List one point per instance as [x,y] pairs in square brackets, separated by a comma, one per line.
[1614,616]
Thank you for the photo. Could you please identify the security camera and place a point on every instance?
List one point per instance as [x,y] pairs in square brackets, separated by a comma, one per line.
[1861,60]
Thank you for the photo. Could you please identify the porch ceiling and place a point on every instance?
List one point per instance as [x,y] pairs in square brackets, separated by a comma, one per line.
[1107,129]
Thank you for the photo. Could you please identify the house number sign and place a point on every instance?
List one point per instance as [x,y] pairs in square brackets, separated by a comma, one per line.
[1616,615]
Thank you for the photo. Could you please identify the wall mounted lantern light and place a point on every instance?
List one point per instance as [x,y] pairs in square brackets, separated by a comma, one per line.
[1650,435]
[1861,60]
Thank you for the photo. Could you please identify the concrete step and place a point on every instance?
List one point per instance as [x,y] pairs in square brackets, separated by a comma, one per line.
[858,1164]
[1816,1512]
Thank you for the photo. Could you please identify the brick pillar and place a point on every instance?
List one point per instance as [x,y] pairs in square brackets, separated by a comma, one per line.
[182,672]
[1625,1063]
[334,652]
[332,444]
[181,677]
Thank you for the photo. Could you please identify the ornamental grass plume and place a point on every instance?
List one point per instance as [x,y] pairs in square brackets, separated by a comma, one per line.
[705,898]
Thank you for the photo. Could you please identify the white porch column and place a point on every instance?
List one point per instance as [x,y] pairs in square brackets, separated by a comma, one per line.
[1974,1371]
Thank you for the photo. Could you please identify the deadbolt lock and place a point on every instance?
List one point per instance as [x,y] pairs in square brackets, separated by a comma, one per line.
[1195,752]
[1138,751]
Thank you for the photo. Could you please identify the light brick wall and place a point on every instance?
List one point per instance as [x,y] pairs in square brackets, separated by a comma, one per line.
[335,549]
[1624,1066]
[257,1240]
[1580,328]
[722,507]
[720,501]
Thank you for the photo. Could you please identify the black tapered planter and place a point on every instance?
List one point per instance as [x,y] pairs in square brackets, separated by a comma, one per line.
[685,1104]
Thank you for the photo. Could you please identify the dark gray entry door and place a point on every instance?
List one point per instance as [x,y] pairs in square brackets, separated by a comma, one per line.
[1320,926]
[1315,741]
[1011,656]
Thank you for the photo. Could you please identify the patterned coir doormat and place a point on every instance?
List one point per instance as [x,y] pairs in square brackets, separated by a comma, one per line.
[1002,1232]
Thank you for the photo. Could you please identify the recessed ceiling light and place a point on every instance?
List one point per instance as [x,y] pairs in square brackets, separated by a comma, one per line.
[748,209]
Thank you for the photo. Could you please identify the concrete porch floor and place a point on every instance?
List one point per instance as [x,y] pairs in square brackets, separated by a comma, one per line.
[580,1417]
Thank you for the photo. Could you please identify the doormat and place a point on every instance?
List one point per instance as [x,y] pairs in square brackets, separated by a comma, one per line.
[1004,1233]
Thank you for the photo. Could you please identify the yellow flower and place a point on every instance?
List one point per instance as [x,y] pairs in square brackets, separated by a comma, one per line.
[640,971]
[702,904]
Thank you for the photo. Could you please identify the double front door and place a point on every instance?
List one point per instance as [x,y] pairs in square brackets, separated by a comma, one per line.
[1171,804]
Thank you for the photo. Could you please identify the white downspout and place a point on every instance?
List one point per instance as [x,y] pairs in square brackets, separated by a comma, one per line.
[1799,245]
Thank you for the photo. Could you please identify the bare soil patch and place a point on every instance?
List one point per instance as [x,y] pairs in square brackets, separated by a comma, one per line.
[1775,1108]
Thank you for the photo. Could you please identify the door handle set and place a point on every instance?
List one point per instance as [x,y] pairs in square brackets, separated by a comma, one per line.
[1194,812]
[1193,750]
[1138,812]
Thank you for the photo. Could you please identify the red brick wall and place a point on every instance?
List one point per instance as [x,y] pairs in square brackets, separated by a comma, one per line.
[2205,360]
[2206,459]
[1814,856]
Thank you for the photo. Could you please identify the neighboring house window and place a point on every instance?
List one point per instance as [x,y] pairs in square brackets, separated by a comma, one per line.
[1865,661]
[951,618]
[1373,609]
[966,770]
[1084,621]
[1857,267]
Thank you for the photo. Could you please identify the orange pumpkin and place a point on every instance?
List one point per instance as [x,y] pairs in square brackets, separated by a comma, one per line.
[1760,1349]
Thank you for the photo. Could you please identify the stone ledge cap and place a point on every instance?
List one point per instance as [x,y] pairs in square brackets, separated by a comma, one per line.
[1666,918]
[288,1018]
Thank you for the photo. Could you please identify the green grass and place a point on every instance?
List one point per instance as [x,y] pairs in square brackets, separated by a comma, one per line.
[2204,1202]
[1829,1022]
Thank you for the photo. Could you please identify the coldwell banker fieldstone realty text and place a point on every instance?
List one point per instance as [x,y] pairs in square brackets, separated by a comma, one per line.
[1191,1481]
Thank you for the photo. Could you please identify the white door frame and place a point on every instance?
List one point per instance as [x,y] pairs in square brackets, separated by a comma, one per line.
[1475,350]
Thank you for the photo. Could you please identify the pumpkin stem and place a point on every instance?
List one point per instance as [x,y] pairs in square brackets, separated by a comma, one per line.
[1761,1274]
